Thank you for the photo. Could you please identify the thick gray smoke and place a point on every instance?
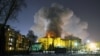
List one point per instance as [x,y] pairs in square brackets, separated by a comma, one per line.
[60,20]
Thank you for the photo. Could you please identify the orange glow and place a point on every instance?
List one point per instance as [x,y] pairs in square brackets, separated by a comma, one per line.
[50,34]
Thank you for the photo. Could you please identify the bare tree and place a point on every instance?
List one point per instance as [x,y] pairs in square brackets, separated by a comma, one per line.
[9,9]
[31,36]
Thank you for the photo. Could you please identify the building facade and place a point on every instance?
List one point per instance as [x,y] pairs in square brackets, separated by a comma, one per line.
[69,42]
[15,41]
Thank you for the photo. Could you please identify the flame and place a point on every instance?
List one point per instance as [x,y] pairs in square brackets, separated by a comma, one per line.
[50,34]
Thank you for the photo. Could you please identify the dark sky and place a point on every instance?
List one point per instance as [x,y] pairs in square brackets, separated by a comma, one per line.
[86,10]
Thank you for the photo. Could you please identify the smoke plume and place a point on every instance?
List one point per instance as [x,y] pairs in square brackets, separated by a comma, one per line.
[62,21]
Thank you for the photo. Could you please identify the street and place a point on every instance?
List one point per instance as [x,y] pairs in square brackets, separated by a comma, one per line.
[59,55]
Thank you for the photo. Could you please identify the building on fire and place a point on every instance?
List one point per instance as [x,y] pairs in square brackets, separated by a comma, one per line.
[50,43]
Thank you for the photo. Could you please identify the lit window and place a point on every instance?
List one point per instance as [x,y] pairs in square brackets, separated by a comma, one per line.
[10,43]
[8,29]
[10,39]
[10,48]
[10,34]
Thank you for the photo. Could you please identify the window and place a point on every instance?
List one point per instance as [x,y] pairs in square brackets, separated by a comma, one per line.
[9,43]
[8,29]
[11,39]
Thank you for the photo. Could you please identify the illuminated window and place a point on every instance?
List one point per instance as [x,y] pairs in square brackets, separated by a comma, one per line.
[10,43]
[10,34]
[10,48]
[8,29]
[11,39]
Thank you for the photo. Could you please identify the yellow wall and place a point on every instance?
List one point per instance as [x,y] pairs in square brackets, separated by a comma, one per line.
[45,42]
[58,42]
